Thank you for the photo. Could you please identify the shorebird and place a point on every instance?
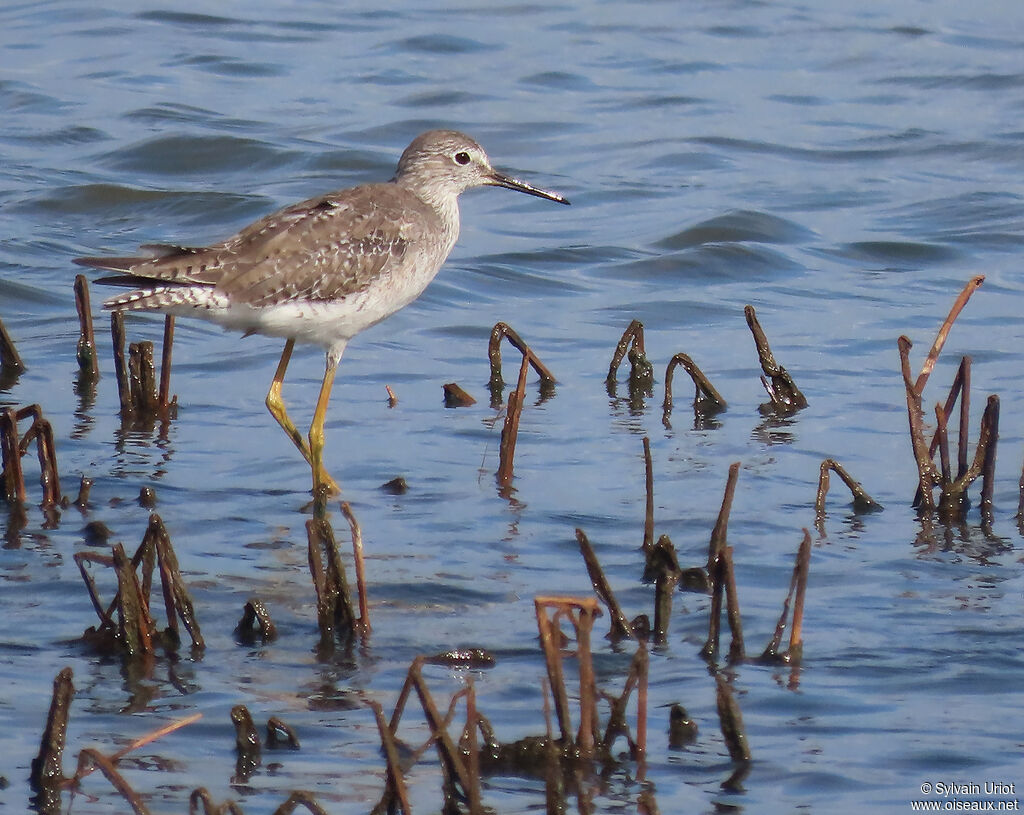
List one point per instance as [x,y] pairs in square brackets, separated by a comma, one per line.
[322,270]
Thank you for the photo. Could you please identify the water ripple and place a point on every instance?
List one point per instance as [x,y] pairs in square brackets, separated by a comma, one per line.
[736,227]
[182,156]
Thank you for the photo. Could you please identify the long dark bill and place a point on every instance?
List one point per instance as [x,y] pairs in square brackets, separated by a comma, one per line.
[510,183]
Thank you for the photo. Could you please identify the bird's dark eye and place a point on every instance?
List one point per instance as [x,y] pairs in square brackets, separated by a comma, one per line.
[462,157]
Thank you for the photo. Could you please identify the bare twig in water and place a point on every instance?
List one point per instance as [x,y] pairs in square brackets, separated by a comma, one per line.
[449,754]
[620,626]
[300,798]
[797,590]
[663,565]
[635,680]
[255,616]
[13,448]
[142,378]
[281,734]
[124,390]
[732,606]
[782,390]
[201,795]
[47,770]
[90,759]
[455,396]
[363,623]
[862,502]
[718,534]
[940,339]
[649,490]
[84,488]
[248,744]
[731,720]
[960,389]
[335,614]
[164,399]
[580,612]
[953,495]
[632,336]
[705,400]
[510,430]
[395,779]
[988,471]
[138,392]
[641,371]
[10,360]
[928,475]
[953,491]
[159,733]
[88,360]
[724,583]
[1020,500]
[13,477]
[135,628]
[504,331]
[177,600]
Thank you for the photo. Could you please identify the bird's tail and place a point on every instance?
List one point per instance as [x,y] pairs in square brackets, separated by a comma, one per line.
[166,298]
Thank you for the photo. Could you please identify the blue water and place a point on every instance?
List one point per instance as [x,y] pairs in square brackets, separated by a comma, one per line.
[844,168]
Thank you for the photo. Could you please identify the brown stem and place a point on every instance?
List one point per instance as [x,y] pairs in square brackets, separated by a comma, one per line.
[504,331]
[940,339]
[360,567]
[88,361]
[164,397]
[510,431]
[718,534]
[705,391]
[620,626]
[634,334]
[649,486]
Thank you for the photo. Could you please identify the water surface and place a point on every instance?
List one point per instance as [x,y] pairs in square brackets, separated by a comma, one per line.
[843,169]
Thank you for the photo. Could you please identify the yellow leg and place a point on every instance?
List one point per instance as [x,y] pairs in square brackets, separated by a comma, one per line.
[316,431]
[275,404]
